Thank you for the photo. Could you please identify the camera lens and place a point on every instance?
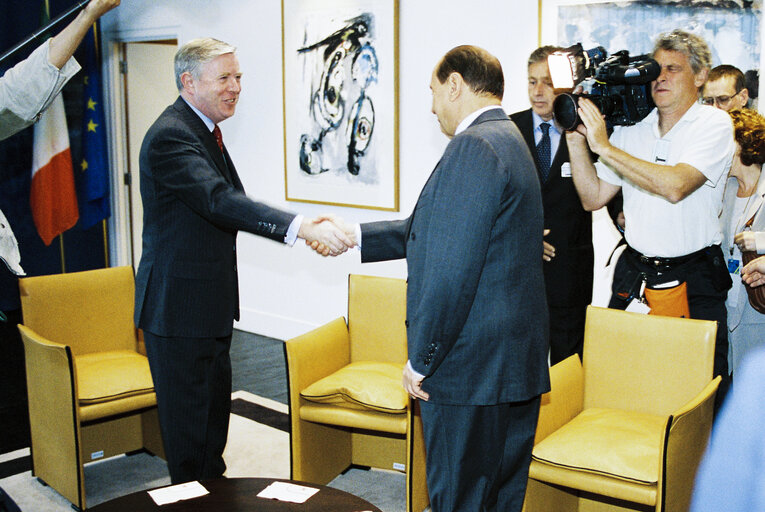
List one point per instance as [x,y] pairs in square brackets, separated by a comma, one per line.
[565,111]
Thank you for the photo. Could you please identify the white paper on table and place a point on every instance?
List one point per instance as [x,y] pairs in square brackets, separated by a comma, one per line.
[179,492]
[285,491]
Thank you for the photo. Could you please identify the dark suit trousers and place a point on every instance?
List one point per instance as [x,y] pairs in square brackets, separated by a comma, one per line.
[478,456]
[566,332]
[192,379]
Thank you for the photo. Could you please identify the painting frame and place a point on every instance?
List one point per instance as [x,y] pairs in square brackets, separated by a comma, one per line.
[340,107]
[723,40]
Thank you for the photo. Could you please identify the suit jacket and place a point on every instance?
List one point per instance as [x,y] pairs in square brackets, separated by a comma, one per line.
[743,312]
[194,204]
[568,277]
[476,312]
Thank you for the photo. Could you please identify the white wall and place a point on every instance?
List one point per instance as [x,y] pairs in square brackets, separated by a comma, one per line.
[285,292]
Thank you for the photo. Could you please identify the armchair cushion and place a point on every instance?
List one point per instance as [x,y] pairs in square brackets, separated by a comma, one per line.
[364,385]
[620,444]
[116,374]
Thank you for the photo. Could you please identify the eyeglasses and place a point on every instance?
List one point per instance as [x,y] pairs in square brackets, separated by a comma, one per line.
[720,101]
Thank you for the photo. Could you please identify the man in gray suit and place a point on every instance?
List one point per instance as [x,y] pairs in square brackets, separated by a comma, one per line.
[476,308]
[187,293]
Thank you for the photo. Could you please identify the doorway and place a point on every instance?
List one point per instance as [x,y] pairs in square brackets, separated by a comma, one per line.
[148,88]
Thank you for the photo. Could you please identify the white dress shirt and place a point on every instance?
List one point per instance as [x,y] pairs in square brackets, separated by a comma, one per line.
[703,139]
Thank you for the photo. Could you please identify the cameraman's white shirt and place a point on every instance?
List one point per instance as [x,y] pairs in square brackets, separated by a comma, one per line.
[703,139]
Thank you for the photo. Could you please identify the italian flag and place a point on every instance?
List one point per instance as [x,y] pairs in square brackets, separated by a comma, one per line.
[53,198]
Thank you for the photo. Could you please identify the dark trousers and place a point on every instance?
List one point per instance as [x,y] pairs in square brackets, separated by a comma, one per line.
[192,379]
[478,456]
[707,280]
[566,332]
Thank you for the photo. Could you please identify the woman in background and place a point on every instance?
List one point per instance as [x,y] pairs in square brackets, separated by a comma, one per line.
[743,225]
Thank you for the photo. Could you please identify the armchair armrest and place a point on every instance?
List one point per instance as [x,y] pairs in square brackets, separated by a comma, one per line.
[50,365]
[53,412]
[565,399]
[316,354]
[685,443]
[310,357]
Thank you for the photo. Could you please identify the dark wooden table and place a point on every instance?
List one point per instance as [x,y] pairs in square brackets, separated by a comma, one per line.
[240,494]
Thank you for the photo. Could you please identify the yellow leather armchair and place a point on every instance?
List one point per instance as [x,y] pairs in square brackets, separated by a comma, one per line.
[347,404]
[626,429]
[91,394]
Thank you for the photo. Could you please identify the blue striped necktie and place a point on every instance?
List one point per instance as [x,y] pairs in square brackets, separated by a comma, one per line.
[543,152]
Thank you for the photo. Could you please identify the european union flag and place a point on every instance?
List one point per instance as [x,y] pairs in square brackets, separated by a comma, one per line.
[93,172]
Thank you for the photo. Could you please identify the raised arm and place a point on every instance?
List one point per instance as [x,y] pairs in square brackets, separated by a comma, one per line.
[672,182]
[64,44]
[594,193]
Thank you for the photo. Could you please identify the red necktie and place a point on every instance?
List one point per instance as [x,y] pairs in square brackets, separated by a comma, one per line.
[218,137]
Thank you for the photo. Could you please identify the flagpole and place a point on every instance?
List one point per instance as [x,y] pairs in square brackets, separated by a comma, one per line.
[103,222]
[35,35]
[106,245]
[63,257]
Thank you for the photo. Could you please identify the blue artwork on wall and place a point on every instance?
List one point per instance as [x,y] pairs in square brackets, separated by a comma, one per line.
[731,28]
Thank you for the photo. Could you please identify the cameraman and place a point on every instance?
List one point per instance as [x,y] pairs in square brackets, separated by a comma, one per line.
[669,167]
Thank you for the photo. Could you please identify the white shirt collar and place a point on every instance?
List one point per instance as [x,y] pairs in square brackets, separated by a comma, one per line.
[472,117]
[689,116]
[208,122]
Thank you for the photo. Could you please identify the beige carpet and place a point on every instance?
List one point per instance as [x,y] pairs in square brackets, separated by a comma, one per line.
[255,449]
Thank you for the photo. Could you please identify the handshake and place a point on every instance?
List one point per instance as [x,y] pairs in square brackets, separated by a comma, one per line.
[328,235]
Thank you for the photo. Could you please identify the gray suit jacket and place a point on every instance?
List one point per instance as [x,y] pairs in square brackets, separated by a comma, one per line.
[194,204]
[476,310]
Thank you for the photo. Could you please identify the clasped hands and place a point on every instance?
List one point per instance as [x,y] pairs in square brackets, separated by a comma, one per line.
[328,235]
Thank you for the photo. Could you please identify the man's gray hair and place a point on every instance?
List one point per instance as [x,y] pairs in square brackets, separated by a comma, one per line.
[690,45]
[196,53]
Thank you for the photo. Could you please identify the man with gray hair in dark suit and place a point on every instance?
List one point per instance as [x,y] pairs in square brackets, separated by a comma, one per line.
[476,309]
[187,290]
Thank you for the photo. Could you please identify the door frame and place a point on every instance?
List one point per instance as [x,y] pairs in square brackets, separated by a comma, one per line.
[120,240]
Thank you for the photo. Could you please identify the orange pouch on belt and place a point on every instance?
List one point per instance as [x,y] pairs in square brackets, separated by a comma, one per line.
[668,301]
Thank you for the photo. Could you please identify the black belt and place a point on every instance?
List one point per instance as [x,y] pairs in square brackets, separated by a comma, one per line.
[666,263]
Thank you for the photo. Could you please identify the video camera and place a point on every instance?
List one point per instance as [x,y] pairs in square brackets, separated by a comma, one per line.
[618,85]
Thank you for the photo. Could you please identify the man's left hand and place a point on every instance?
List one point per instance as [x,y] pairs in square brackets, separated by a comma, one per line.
[549,249]
[413,384]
